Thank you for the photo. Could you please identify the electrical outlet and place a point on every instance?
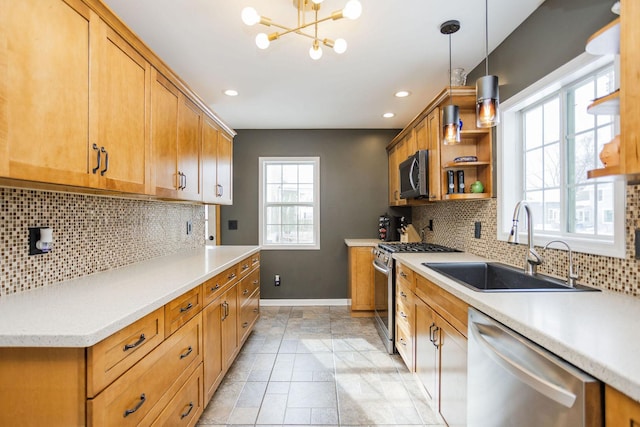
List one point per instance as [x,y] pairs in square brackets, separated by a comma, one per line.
[430,226]
[477,229]
[233,224]
[638,243]
[189,227]
[276,280]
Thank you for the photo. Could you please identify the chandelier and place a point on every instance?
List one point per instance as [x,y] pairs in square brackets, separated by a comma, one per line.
[352,10]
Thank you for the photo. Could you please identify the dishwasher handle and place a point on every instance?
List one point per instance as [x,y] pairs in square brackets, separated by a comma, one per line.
[541,385]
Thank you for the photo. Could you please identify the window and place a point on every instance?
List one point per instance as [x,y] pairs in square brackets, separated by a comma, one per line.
[289,202]
[547,144]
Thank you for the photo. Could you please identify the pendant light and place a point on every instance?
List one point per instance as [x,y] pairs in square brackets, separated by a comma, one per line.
[450,113]
[487,96]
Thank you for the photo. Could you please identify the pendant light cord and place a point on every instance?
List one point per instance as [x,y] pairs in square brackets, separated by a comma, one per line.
[486,36]
[450,88]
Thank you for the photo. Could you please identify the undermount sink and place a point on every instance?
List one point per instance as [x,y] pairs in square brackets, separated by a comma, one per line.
[496,277]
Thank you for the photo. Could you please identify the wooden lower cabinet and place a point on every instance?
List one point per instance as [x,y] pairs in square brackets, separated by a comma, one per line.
[452,400]
[620,410]
[361,278]
[427,354]
[139,375]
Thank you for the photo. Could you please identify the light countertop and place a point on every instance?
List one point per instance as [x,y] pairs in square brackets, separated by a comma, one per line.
[362,242]
[595,331]
[83,311]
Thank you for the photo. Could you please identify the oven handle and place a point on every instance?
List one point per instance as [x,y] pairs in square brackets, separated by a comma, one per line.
[380,269]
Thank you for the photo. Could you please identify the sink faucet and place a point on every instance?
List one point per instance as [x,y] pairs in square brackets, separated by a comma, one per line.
[572,275]
[533,259]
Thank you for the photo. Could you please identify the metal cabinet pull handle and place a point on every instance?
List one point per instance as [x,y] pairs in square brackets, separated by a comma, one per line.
[433,330]
[186,414]
[185,181]
[135,344]
[403,295]
[95,147]
[187,308]
[255,310]
[245,324]
[219,190]
[183,355]
[128,412]
[255,282]
[246,291]
[402,341]
[255,260]
[231,276]
[403,275]
[216,287]
[246,266]
[106,161]
[404,316]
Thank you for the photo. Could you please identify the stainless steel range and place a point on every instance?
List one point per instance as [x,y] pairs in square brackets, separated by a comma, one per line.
[385,284]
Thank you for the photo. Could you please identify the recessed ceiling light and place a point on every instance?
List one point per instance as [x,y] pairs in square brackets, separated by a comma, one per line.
[402,93]
[388,115]
[231,92]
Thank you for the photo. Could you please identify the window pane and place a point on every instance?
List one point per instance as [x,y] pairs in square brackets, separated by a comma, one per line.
[289,234]
[551,218]
[290,173]
[605,135]
[605,209]
[289,193]
[583,156]
[305,193]
[273,234]
[273,215]
[305,215]
[533,128]
[552,121]
[306,174]
[535,203]
[583,96]
[273,193]
[533,169]
[552,166]
[305,233]
[584,210]
[289,215]
[274,173]
[605,84]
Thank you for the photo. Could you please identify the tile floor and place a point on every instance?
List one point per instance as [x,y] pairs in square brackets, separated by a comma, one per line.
[317,366]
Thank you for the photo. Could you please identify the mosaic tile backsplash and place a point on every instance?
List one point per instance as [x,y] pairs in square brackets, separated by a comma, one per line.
[454,226]
[91,234]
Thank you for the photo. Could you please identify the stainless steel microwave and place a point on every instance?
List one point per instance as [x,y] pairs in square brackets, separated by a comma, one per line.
[414,176]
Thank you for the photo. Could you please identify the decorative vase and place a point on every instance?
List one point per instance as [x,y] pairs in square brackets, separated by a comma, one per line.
[610,154]
[477,187]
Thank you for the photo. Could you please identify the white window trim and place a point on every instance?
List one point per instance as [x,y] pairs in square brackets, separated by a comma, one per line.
[508,153]
[316,204]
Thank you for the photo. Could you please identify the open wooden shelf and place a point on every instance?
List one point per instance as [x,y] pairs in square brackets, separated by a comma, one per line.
[473,132]
[602,172]
[458,165]
[465,196]
[606,41]
[607,105]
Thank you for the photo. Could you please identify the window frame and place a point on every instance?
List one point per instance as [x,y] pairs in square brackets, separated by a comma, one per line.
[315,161]
[510,183]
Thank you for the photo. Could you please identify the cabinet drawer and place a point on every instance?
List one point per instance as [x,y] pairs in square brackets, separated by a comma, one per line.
[142,392]
[248,286]
[404,344]
[248,315]
[404,295]
[182,309]
[214,287]
[248,264]
[186,406]
[404,316]
[111,357]
[405,276]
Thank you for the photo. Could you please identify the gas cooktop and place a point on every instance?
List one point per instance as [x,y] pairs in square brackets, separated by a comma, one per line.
[415,247]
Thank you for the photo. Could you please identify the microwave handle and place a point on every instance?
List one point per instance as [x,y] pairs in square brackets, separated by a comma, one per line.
[413,165]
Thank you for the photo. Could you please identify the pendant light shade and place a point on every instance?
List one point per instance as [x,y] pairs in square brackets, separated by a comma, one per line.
[451,112]
[487,102]
[487,96]
[451,124]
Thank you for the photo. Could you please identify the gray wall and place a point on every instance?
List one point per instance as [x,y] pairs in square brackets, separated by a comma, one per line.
[551,36]
[353,192]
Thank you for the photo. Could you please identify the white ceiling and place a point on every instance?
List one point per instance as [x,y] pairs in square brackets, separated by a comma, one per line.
[394,45]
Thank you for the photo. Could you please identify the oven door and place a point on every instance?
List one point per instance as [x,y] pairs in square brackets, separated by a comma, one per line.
[383,303]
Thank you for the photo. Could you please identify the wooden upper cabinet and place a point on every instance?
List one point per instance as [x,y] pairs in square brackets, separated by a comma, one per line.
[70,83]
[189,137]
[164,134]
[217,149]
[433,145]
[121,112]
[44,90]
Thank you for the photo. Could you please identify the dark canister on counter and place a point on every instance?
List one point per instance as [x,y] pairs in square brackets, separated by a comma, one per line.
[460,181]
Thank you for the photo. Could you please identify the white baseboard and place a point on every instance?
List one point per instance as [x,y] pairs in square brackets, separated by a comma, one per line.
[303,302]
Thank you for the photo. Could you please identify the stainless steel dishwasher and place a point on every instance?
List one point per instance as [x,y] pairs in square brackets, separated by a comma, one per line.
[514,382]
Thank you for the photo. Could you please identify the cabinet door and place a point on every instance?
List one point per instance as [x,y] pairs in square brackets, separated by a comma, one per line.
[229,326]
[433,144]
[44,90]
[453,374]
[121,110]
[164,134]
[620,410]
[224,188]
[361,278]
[189,133]
[212,347]
[426,353]
[421,137]
[394,178]
[209,161]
